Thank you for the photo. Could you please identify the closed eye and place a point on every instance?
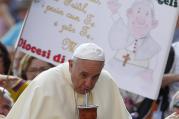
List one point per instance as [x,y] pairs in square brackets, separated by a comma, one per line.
[95,77]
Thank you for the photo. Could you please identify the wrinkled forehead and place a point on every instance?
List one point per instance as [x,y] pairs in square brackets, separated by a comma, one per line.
[88,64]
[84,62]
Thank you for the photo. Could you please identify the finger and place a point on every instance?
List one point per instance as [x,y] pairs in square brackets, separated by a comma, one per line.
[3,77]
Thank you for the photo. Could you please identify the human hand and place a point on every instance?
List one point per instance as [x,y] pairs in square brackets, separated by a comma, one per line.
[113,5]
[173,116]
[8,82]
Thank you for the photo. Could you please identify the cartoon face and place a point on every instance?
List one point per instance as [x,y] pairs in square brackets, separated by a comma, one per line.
[141,19]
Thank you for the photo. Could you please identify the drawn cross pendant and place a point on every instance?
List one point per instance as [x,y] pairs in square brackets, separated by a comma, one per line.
[126,59]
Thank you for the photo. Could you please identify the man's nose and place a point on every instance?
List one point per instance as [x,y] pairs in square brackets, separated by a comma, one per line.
[88,84]
[1,111]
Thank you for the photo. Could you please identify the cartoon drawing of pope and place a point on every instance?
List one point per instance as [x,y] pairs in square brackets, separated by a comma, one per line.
[135,49]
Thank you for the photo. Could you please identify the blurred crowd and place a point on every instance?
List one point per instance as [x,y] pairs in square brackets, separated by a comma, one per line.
[17,69]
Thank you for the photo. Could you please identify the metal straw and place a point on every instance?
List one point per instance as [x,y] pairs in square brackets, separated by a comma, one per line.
[86,98]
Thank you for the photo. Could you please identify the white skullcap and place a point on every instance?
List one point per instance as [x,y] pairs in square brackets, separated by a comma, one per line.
[89,51]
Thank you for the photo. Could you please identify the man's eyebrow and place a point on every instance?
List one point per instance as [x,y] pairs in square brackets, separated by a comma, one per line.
[96,75]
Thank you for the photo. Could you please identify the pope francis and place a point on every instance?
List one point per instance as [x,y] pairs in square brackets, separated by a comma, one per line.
[56,93]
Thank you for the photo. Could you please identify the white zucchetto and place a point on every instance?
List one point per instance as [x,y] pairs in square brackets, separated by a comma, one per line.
[89,51]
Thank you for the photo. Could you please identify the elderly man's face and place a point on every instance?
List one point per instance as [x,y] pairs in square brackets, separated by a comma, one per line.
[84,74]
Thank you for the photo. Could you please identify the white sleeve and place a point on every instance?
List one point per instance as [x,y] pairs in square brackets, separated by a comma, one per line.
[118,34]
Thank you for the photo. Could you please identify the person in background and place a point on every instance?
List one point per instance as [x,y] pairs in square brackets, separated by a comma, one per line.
[15,85]
[6,20]
[30,67]
[174,105]
[16,62]
[10,38]
[172,79]
[5,61]
[6,102]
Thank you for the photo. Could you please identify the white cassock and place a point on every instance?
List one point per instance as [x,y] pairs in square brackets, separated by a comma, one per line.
[51,96]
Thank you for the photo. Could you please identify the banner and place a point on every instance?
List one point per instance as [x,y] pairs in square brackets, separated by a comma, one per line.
[135,34]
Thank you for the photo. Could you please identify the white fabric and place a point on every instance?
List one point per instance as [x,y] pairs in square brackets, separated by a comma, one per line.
[51,96]
[89,51]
